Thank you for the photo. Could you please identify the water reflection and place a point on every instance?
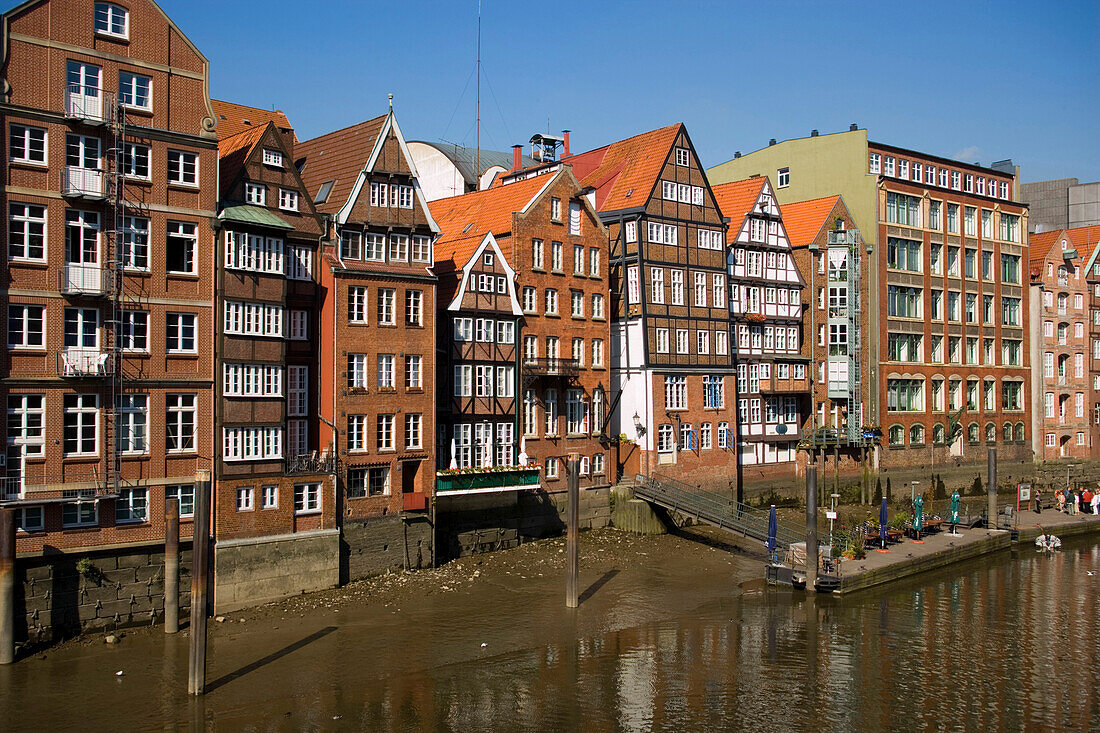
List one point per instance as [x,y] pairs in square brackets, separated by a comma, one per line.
[1003,643]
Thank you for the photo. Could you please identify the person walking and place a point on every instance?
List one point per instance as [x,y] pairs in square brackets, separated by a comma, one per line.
[1096,503]
[1061,499]
[1076,503]
[1038,502]
[1086,500]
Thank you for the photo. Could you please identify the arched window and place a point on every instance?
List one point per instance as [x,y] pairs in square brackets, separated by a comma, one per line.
[1019,432]
[916,434]
[1007,432]
[897,435]
[937,433]
[990,433]
[972,432]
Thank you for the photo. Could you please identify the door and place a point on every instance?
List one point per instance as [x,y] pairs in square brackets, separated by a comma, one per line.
[409,470]
[82,356]
[83,176]
[83,97]
[83,273]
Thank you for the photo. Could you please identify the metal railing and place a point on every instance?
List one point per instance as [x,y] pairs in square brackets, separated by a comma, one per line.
[307,463]
[86,102]
[713,508]
[80,279]
[90,183]
[551,367]
[80,362]
[33,486]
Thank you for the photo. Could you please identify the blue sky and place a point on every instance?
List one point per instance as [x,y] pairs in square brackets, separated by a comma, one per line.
[978,81]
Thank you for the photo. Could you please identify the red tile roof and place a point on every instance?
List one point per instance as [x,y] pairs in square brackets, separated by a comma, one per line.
[1083,239]
[338,156]
[804,220]
[234,151]
[735,199]
[624,172]
[1039,246]
[234,119]
[464,220]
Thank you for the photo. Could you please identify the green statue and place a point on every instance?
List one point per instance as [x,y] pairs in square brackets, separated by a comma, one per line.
[918,514]
[955,507]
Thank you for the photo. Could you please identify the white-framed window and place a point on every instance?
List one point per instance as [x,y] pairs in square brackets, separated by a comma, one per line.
[556,257]
[307,498]
[379,194]
[551,302]
[111,20]
[675,392]
[301,263]
[133,161]
[27,144]
[384,437]
[665,441]
[244,499]
[80,425]
[288,199]
[597,353]
[26,423]
[874,163]
[132,505]
[135,90]
[26,326]
[273,158]
[79,514]
[413,430]
[721,342]
[180,333]
[254,252]
[784,176]
[181,242]
[631,231]
[384,368]
[263,443]
[357,304]
[677,282]
[662,341]
[702,342]
[414,307]
[413,375]
[135,243]
[463,380]
[421,248]
[252,380]
[27,232]
[269,497]
[255,193]
[386,315]
[132,434]
[681,341]
[297,397]
[180,423]
[633,288]
[253,319]
[185,495]
[683,156]
[351,245]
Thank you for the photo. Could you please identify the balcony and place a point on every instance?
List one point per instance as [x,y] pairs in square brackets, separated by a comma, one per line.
[414,502]
[84,363]
[31,486]
[486,480]
[83,183]
[80,279]
[310,463]
[775,385]
[86,102]
[551,367]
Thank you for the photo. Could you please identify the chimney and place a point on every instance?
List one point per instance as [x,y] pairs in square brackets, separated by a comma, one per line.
[771,142]
[517,158]
[853,127]
[565,146]
[737,155]
[813,133]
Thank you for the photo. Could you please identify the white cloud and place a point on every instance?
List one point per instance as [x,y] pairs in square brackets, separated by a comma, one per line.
[968,154]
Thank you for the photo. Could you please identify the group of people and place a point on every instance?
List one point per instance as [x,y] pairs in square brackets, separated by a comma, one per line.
[1073,501]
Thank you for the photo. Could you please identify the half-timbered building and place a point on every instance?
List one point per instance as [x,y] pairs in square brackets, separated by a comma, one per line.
[766,324]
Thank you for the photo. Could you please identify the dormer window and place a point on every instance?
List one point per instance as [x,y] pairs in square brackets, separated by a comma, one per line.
[255,194]
[112,20]
[323,192]
[273,157]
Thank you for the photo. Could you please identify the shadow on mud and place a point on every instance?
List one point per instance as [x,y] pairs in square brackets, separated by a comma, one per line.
[290,648]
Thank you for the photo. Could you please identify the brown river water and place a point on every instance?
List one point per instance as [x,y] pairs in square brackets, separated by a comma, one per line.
[666,638]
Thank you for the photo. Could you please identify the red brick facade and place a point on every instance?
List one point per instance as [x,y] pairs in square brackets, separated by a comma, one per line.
[140,85]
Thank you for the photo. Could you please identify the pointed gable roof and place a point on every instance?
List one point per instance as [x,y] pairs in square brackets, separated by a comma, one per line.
[340,157]
[736,198]
[1083,239]
[624,173]
[234,152]
[1039,246]
[233,119]
[805,219]
[466,220]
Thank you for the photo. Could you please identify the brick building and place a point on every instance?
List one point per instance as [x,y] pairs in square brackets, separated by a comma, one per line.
[947,245]
[833,428]
[765,290]
[272,476]
[548,250]
[1062,330]
[378,349]
[110,184]
[672,366]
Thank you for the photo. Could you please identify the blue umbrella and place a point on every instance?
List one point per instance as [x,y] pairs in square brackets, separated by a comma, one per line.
[882,523]
[772,531]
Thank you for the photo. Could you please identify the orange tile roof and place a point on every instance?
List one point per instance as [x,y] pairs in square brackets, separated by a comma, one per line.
[1039,246]
[1086,239]
[464,220]
[236,118]
[337,156]
[624,172]
[233,153]
[735,199]
[804,220]
[1083,239]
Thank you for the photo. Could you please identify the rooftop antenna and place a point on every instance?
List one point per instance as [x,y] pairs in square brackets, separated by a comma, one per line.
[477,155]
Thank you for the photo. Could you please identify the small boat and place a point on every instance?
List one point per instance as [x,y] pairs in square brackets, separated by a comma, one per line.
[1048,543]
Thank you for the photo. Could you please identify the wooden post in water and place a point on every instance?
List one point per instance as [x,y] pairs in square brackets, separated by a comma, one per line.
[7,586]
[811,528]
[572,529]
[172,566]
[200,563]
[991,489]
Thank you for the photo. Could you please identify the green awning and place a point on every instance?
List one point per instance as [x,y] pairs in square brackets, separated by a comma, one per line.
[253,215]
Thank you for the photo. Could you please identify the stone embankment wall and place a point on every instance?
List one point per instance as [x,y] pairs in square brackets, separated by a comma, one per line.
[372,547]
[117,588]
[253,571]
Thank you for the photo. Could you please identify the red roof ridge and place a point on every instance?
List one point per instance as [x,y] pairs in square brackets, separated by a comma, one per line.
[348,128]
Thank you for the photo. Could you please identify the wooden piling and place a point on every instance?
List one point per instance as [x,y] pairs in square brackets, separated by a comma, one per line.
[7,586]
[991,489]
[811,528]
[200,564]
[172,566]
[572,530]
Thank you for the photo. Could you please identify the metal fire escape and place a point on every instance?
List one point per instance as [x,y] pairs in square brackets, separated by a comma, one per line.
[115,258]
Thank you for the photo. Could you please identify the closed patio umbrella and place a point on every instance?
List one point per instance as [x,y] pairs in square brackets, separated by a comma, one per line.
[882,523]
[772,532]
[454,459]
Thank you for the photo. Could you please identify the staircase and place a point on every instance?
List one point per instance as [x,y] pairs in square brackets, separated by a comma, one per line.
[714,509]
